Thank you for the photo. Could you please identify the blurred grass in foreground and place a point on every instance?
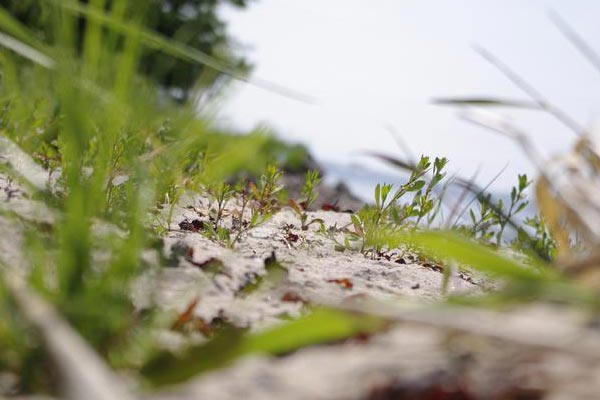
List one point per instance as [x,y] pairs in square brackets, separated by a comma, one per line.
[120,149]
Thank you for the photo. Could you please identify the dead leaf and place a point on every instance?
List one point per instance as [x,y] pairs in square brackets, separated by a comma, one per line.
[343,282]
[185,316]
[194,226]
[292,297]
[330,207]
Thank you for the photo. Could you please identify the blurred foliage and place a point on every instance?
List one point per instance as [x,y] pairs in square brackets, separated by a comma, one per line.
[321,325]
[74,95]
[195,23]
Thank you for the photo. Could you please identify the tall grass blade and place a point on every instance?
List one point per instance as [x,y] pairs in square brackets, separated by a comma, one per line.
[26,51]
[451,247]
[176,49]
[486,102]
[85,374]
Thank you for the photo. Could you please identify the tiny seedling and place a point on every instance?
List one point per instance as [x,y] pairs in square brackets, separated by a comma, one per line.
[490,222]
[542,243]
[388,214]
[309,194]
[427,204]
[260,199]
[518,202]
[221,193]
[265,191]
[309,191]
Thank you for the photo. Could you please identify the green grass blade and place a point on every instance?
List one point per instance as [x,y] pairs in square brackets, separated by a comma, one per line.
[10,25]
[26,51]
[449,246]
[320,326]
[176,49]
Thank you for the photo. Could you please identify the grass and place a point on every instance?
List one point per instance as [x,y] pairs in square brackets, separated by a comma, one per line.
[124,156]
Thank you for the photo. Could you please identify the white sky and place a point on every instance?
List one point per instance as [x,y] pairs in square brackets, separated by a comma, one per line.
[369,63]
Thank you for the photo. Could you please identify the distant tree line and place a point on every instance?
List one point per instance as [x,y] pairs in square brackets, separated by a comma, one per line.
[195,23]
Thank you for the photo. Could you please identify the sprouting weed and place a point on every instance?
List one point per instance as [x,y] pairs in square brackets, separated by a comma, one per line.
[221,193]
[265,191]
[264,201]
[303,216]
[541,243]
[259,199]
[309,194]
[518,203]
[426,203]
[489,224]
[481,224]
[388,213]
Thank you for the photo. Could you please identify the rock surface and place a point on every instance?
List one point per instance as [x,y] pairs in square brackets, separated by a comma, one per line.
[411,360]
[545,354]
[317,270]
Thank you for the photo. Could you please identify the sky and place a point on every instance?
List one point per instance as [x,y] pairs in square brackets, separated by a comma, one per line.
[372,65]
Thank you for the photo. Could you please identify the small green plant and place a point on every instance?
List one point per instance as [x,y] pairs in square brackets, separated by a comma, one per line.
[428,205]
[215,228]
[388,214]
[258,199]
[541,243]
[482,221]
[490,222]
[222,193]
[518,203]
[264,196]
[263,193]
[309,194]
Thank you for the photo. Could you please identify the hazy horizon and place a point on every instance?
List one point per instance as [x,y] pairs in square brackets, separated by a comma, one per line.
[373,66]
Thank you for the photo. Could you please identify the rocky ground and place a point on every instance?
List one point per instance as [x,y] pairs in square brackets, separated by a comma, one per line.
[419,357]
[425,353]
